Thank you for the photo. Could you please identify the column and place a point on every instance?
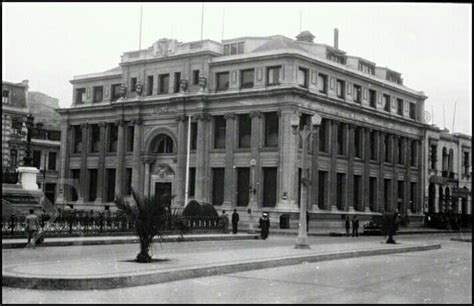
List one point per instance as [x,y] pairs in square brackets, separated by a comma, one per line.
[332,177]
[180,177]
[350,169]
[420,199]
[313,193]
[255,155]
[101,164]
[407,177]
[137,176]
[64,163]
[83,173]
[229,160]
[394,140]
[202,160]
[366,173]
[119,172]
[147,177]
[380,182]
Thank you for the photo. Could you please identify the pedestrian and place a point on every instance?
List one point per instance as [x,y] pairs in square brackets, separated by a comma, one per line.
[348,225]
[225,222]
[307,221]
[32,225]
[264,224]
[235,221]
[355,226]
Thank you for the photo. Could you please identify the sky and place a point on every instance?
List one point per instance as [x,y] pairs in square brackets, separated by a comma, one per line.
[430,44]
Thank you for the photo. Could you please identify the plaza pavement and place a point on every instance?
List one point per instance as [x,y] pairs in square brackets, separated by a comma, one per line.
[113,266]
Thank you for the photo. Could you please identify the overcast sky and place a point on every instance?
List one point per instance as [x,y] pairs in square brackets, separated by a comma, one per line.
[430,44]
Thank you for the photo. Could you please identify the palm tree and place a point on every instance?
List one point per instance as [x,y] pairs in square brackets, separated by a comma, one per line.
[151,217]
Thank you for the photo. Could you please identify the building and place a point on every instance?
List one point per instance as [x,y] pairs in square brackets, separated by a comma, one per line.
[247,98]
[449,172]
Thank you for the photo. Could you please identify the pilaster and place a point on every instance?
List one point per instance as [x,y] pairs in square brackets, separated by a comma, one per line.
[101,165]
[181,167]
[229,185]
[83,173]
[202,194]
[119,172]
[332,196]
[137,176]
[350,169]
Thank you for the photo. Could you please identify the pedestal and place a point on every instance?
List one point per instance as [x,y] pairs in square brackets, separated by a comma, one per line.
[28,178]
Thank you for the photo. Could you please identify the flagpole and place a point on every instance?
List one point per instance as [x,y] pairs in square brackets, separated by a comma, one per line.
[454,116]
[186,192]
[140,35]
[223,14]
[202,18]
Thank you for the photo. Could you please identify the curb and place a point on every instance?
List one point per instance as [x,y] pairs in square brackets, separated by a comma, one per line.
[462,239]
[89,283]
[47,243]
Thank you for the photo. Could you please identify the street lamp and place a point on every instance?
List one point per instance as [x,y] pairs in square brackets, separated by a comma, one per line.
[29,126]
[306,134]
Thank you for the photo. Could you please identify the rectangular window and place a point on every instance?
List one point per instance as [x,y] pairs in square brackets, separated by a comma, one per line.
[412,110]
[387,188]
[80,95]
[341,180]
[115,92]
[164,83]
[400,194]
[195,77]
[399,106]
[37,159]
[92,185]
[340,89]
[127,188]
[322,83]
[194,130]
[372,98]
[357,94]
[246,78]
[243,186]
[465,163]
[322,183]
[386,99]
[387,148]
[52,156]
[340,138]
[357,142]
[273,75]
[113,137]
[5,96]
[269,186]
[217,186]
[245,130]
[400,152]
[357,192]
[222,81]
[323,130]
[50,192]
[133,84]
[373,145]
[98,92]
[372,192]
[110,185]
[130,137]
[192,182]
[303,77]
[271,129]
[414,154]
[77,139]
[149,85]
[74,187]
[177,80]
[234,48]
[95,138]
[219,132]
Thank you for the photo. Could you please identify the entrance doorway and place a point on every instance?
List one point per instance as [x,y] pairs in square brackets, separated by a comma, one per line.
[163,192]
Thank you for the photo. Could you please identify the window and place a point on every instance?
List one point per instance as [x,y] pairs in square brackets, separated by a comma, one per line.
[372,193]
[387,148]
[110,195]
[399,106]
[75,175]
[192,182]
[412,110]
[357,142]
[164,83]
[246,78]
[77,139]
[133,84]
[413,155]
[149,85]
[130,137]
[177,80]
[245,129]
[372,98]
[52,161]
[98,92]
[269,186]
[243,186]
[340,138]
[465,163]
[13,158]
[357,192]
[54,135]
[222,79]
[357,94]
[323,83]
[5,96]
[127,190]
[386,99]
[80,95]
[387,188]
[323,130]
[303,77]
[271,129]
[341,180]
[234,48]
[400,194]
[92,185]
[340,89]
[217,186]
[113,137]
[193,135]
[219,132]
[95,138]
[373,145]
[322,183]
[37,159]
[433,156]
[400,150]
[162,144]
[273,75]
[115,92]
[195,77]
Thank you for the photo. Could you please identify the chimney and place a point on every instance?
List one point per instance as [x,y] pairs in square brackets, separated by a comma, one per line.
[336,38]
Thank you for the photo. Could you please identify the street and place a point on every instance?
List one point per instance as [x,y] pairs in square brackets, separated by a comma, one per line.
[437,276]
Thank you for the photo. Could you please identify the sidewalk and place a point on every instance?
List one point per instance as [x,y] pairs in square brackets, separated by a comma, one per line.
[106,266]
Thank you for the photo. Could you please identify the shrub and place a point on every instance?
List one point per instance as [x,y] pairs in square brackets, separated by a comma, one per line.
[193,209]
[207,210]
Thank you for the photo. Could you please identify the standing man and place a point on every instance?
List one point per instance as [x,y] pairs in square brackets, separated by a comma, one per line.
[235,221]
[348,225]
[355,226]
[32,225]
[225,222]
[264,224]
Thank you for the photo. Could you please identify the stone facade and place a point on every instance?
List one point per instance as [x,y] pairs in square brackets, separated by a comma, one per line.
[247,99]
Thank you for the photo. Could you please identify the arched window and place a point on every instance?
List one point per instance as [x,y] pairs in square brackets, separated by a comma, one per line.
[450,160]
[162,144]
[445,160]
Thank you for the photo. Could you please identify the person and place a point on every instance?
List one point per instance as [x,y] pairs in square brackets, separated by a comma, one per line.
[355,226]
[307,221]
[225,222]
[235,221]
[264,224]
[32,225]
[348,225]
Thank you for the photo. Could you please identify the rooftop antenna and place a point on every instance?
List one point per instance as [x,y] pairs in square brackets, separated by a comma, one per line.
[223,14]
[202,18]
[140,35]
[454,115]
[301,19]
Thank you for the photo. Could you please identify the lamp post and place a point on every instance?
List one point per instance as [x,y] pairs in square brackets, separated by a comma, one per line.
[29,126]
[306,134]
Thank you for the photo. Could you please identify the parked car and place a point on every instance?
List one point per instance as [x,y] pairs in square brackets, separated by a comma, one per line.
[374,226]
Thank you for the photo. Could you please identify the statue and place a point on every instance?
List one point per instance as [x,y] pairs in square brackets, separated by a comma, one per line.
[123,91]
[183,84]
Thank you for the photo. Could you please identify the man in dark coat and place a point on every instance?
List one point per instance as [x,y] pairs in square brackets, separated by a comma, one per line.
[355,226]
[235,221]
[264,224]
